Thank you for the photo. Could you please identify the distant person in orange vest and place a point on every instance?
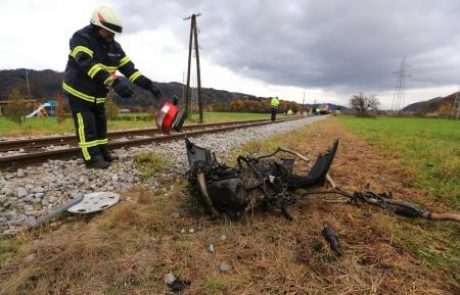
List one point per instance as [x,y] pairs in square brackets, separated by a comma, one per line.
[274,104]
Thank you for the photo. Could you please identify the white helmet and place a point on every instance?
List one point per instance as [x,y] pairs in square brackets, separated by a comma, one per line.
[105,17]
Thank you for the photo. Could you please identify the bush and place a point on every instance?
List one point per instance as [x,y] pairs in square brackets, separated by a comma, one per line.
[62,108]
[111,109]
[17,110]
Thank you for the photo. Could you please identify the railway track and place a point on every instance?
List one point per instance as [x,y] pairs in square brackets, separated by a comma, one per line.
[37,143]
[36,151]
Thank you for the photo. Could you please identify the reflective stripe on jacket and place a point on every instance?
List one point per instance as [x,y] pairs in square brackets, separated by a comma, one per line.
[91,64]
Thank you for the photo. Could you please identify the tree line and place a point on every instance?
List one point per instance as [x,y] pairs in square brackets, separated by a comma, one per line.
[20,106]
[254,106]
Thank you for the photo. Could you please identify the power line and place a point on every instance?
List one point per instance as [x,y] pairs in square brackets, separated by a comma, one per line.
[400,87]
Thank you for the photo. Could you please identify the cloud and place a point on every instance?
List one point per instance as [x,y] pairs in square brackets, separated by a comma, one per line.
[331,48]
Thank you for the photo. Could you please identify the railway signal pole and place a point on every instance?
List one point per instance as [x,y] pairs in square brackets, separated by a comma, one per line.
[193,39]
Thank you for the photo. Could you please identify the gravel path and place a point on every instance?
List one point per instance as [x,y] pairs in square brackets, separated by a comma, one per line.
[31,192]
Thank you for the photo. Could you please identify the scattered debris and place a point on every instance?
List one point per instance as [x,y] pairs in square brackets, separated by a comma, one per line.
[174,284]
[169,278]
[385,201]
[95,202]
[179,285]
[211,248]
[268,182]
[332,238]
[89,203]
[224,267]
[55,213]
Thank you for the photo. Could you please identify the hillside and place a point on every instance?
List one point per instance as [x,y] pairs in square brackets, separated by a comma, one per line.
[431,105]
[45,84]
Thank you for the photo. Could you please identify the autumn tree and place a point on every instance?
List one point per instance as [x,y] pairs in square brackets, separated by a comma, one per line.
[363,104]
[111,109]
[423,110]
[18,108]
[444,109]
[62,108]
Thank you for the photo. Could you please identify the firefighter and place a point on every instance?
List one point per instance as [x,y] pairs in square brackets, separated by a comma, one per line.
[93,61]
[274,104]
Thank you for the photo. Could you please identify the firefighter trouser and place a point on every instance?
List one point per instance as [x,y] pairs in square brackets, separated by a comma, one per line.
[90,126]
[274,110]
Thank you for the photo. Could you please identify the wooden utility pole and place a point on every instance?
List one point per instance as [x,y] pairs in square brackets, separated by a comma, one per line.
[198,73]
[27,82]
[187,91]
[193,39]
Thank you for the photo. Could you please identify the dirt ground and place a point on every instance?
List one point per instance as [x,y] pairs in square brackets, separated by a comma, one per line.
[129,248]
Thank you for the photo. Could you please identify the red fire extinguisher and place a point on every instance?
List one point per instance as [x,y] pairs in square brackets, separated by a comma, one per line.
[169,116]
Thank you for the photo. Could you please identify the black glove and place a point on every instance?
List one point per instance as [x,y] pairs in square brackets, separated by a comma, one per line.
[148,85]
[121,86]
[156,92]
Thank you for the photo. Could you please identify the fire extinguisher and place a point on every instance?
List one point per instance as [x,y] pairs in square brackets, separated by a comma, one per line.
[169,116]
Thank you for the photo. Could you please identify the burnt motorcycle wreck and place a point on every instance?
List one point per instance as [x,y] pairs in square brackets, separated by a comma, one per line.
[263,181]
[268,182]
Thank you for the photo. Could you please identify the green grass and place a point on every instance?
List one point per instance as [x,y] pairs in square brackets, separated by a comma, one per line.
[150,163]
[34,126]
[8,247]
[429,149]
[430,241]
[48,126]
[215,283]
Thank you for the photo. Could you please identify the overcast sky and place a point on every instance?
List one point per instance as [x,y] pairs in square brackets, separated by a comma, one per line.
[331,49]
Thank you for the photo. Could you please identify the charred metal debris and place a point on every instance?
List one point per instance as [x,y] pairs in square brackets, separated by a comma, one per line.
[269,182]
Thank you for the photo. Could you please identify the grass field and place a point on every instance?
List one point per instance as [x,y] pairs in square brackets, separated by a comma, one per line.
[429,149]
[45,126]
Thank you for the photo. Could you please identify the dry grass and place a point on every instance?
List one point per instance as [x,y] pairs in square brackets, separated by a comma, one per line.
[127,249]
